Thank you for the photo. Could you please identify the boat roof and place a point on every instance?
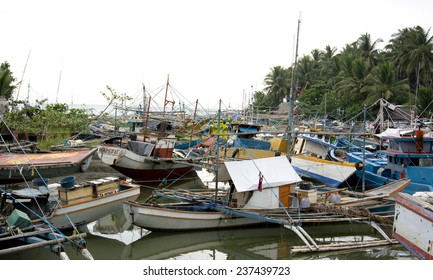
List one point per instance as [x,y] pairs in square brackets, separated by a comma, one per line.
[51,158]
[318,141]
[276,171]
[394,132]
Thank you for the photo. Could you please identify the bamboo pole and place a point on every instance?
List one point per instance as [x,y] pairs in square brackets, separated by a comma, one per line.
[40,244]
[343,246]
[26,234]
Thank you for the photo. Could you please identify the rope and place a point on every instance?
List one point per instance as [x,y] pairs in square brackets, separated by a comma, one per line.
[26,182]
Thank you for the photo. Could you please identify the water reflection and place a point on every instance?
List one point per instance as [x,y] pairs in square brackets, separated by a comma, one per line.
[113,238]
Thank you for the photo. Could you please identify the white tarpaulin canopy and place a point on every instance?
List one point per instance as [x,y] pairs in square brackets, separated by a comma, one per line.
[394,132]
[276,171]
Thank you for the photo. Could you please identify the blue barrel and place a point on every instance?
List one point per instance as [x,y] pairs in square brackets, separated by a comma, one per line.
[67,182]
[39,182]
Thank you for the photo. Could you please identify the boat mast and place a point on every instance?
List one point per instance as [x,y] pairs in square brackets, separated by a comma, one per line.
[381,116]
[22,77]
[292,85]
[145,110]
[217,151]
[193,123]
[58,85]
[166,92]
[144,100]
[363,150]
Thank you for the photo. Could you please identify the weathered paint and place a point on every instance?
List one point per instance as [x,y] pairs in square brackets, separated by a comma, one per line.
[413,225]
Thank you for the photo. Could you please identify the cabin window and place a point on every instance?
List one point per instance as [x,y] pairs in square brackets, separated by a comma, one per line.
[413,161]
[393,146]
[425,162]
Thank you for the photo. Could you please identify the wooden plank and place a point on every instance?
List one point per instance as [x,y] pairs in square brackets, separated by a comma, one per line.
[360,200]
[343,246]
[40,244]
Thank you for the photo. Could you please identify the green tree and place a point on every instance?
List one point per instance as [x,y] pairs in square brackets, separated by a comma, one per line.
[368,49]
[329,66]
[411,50]
[49,122]
[277,85]
[425,102]
[6,81]
[384,84]
[112,97]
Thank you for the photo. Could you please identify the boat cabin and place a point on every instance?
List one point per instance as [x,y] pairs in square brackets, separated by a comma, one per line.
[408,151]
[265,183]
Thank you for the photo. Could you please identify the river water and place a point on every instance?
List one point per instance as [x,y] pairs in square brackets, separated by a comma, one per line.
[113,238]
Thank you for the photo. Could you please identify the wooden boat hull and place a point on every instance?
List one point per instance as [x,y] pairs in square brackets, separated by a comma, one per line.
[413,225]
[19,167]
[145,170]
[330,173]
[166,219]
[95,209]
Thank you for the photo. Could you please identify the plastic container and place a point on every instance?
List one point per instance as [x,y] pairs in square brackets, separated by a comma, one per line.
[39,182]
[67,182]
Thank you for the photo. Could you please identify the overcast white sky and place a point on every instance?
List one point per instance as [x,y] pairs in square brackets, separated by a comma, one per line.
[210,49]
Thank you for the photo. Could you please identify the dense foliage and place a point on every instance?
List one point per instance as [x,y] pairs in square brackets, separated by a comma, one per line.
[339,84]
[46,120]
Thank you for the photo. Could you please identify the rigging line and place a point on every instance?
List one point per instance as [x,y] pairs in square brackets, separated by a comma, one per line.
[22,149]
[425,109]
[34,167]
[42,218]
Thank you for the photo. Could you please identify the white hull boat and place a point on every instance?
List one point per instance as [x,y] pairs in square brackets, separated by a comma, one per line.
[76,205]
[178,217]
[331,173]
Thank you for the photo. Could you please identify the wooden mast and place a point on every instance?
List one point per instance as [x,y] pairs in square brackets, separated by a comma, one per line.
[163,123]
[291,94]
[193,123]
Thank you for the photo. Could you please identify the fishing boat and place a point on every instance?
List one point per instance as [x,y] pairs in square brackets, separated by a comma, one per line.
[25,167]
[409,155]
[148,162]
[310,158]
[259,191]
[148,155]
[280,178]
[68,204]
[413,223]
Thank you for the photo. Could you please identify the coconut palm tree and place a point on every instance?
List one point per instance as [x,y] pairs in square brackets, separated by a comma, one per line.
[352,86]
[411,50]
[277,85]
[383,84]
[368,49]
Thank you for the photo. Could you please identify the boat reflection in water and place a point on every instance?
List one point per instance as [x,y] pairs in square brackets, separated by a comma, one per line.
[271,243]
